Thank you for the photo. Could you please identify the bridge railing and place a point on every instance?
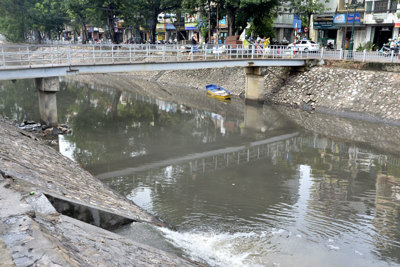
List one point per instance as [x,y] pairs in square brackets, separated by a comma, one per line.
[73,54]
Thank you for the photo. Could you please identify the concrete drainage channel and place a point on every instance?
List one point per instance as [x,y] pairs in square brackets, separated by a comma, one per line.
[90,215]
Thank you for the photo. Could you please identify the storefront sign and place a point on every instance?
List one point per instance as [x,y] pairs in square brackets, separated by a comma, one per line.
[322,24]
[339,19]
[160,27]
[191,22]
[296,22]
[397,25]
[222,23]
[357,17]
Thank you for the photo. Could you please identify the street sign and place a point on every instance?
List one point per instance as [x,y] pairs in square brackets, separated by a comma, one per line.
[305,29]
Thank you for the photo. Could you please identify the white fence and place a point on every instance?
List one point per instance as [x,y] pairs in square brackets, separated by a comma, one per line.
[13,56]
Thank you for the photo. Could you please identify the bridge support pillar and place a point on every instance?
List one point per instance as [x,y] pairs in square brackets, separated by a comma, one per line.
[47,88]
[255,84]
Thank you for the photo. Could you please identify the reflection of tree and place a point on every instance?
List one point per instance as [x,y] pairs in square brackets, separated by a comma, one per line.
[108,132]
[19,100]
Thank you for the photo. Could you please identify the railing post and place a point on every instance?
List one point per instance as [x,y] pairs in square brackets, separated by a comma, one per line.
[51,55]
[130,53]
[101,53]
[112,53]
[340,53]
[217,51]
[364,55]
[252,51]
[322,52]
[391,56]
[205,52]
[94,57]
[69,54]
[28,55]
[58,54]
[163,52]
[177,52]
[3,56]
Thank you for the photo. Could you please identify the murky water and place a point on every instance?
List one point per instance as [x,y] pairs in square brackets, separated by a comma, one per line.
[244,186]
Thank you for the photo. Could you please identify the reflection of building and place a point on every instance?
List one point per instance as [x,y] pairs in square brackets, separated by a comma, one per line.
[387,212]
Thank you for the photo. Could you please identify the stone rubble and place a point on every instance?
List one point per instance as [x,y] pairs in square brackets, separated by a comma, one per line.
[340,86]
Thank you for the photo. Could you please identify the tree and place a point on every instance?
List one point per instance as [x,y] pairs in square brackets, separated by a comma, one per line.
[155,7]
[80,12]
[19,17]
[239,12]
[262,26]
[305,8]
[14,21]
[49,16]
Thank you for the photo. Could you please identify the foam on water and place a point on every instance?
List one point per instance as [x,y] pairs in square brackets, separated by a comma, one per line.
[216,249]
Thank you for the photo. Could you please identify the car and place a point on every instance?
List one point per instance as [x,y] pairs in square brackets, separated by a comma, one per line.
[304,45]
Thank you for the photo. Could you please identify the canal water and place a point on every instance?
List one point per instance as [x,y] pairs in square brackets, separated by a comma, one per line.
[242,185]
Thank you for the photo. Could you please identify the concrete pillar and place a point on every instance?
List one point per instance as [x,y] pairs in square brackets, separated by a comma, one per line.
[47,88]
[255,84]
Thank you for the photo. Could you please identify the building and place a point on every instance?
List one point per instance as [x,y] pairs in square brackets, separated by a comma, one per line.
[381,21]
[284,28]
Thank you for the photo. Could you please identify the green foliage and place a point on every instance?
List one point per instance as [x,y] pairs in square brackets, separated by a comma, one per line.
[21,16]
[49,17]
[203,27]
[262,26]
[369,46]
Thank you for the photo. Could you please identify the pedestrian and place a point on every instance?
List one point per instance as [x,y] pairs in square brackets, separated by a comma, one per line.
[194,48]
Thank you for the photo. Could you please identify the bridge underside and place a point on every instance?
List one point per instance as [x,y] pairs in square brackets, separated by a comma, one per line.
[43,71]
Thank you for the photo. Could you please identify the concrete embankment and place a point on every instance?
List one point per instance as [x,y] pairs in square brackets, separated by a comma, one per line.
[382,137]
[36,184]
[365,90]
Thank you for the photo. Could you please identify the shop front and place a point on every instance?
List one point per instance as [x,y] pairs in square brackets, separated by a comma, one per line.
[327,30]
[345,22]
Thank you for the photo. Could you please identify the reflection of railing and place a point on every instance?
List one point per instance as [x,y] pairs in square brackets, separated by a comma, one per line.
[64,55]
[251,154]
[239,154]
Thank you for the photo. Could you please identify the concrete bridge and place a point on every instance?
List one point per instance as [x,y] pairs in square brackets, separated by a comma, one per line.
[47,63]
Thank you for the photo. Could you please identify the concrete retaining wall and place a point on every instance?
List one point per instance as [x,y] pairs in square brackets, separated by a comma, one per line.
[371,89]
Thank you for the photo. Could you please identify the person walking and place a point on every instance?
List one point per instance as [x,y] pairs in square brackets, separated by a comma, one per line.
[194,48]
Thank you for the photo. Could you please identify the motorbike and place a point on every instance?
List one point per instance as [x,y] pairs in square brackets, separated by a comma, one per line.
[329,46]
[386,51]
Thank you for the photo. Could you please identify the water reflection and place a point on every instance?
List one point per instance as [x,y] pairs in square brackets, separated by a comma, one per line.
[243,186]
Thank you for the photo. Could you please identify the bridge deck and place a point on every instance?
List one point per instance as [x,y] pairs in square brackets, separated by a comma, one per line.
[31,61]
[54,70]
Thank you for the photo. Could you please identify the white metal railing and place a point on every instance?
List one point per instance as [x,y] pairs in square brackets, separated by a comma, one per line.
[14,56]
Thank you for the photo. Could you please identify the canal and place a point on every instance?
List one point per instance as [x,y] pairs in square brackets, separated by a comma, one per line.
[242,185]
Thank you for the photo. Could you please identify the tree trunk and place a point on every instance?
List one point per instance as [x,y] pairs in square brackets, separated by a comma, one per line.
[154,25]
[110,23]
[231,23]
[309,24]
[84,34]
[39,37]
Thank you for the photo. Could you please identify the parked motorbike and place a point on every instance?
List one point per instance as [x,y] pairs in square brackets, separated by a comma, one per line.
[329,46]
[386,51]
